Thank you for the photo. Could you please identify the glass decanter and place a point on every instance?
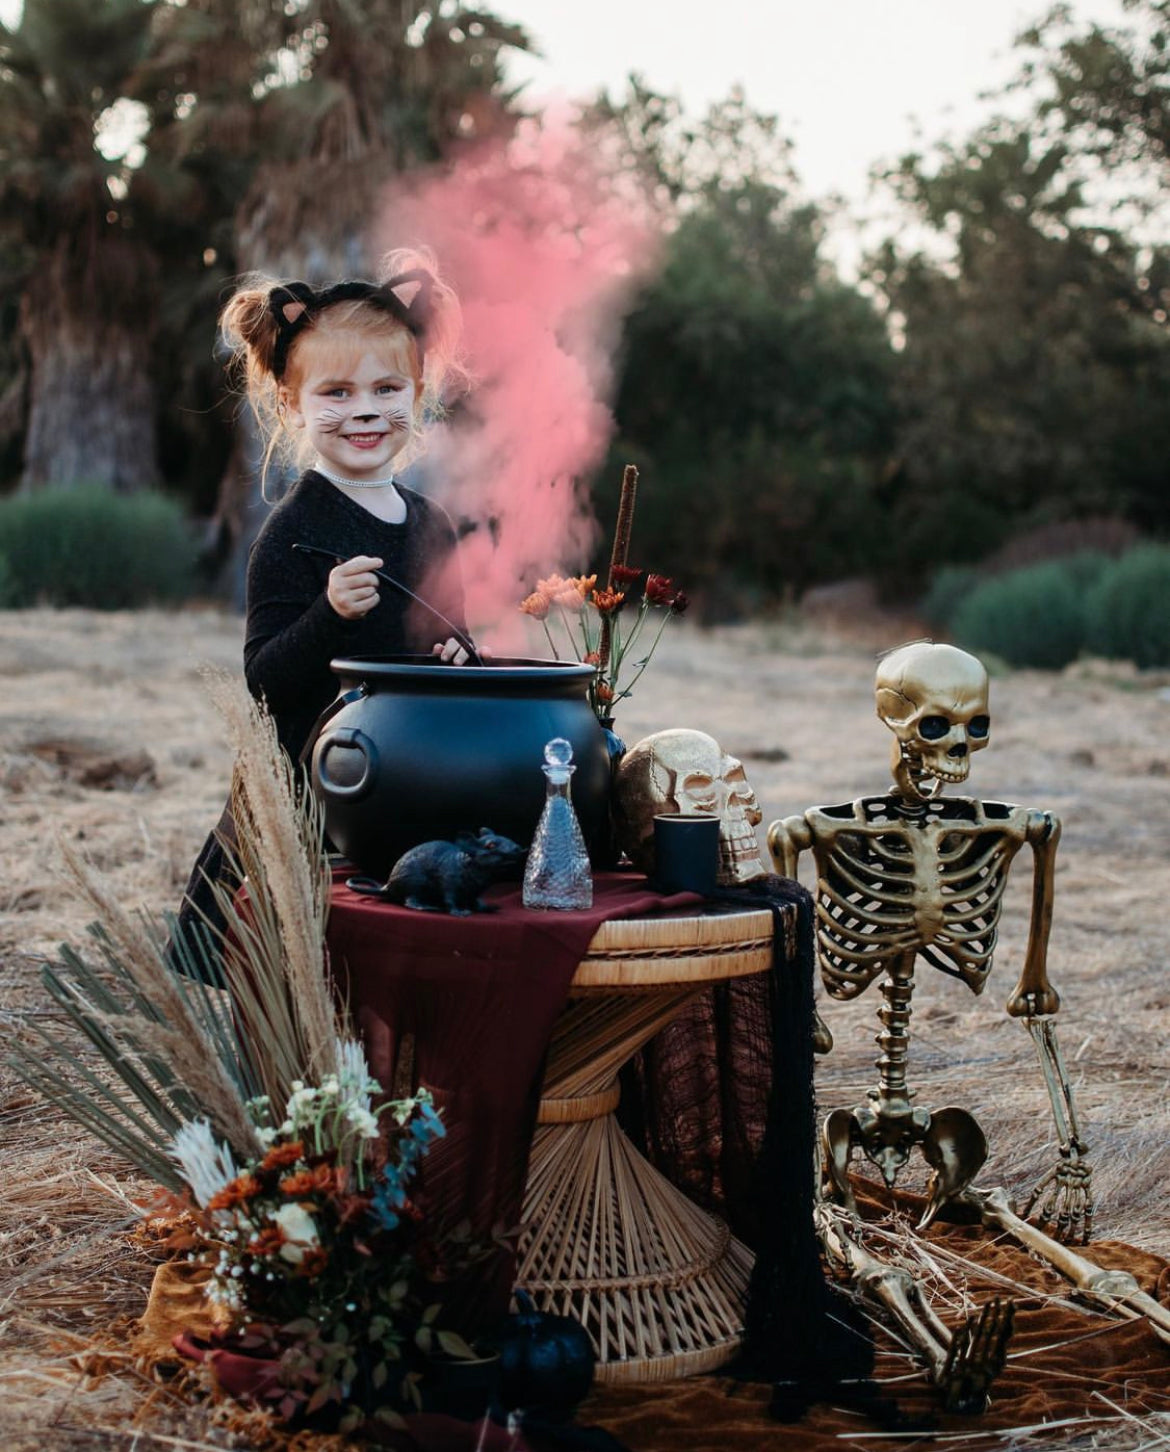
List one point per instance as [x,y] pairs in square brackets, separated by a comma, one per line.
[557,874]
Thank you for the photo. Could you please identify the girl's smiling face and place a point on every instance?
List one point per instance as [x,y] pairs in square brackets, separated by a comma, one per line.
[359,415]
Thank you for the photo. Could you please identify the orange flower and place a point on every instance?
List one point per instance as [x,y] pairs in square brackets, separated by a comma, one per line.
[322,1180]
[242,1188]
[591,659]
[268,1241]
[608,602]
[583,584]
[604,693]
[280,1156]
[535,605]
[551,587]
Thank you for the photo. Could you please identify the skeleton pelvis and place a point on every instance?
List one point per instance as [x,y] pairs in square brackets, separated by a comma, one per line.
[952,1143]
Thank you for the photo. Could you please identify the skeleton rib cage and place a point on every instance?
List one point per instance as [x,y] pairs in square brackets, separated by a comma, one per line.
[892,882]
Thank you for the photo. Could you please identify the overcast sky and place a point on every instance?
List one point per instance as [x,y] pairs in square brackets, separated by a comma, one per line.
[848,78]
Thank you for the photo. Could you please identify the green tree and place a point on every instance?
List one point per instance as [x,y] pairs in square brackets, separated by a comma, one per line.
[1031,367]
[87,279]
[754,383]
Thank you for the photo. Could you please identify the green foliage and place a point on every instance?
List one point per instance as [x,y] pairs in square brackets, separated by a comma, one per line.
[1031,617]
[949,587]
[1032,359]
[89,547]
[1128,608]
[754,392]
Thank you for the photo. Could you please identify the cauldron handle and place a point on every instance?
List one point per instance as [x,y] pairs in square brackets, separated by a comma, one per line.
[352,737]
[347,698]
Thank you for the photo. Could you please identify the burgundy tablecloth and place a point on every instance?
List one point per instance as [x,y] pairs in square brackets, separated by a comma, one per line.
[478,997]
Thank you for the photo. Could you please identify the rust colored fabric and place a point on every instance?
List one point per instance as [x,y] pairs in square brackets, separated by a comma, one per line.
[1065,1366]
[465,1006]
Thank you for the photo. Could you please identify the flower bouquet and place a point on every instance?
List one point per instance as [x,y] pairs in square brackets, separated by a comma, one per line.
[595,623]
[256,1110]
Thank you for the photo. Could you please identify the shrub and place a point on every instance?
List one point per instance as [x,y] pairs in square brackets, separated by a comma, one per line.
[949,587]
[1128,610]
[1031,617]
[88,546]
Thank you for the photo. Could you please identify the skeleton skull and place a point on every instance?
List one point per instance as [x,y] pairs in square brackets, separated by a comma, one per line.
[934,699]
[687,772]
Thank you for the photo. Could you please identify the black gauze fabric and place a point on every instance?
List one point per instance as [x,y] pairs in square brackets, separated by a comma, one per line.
[721,1102]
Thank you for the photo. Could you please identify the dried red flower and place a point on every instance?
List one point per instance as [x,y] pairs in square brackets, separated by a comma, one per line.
[680,602]
[603,692]
[267,1241]
[624,574]
[242,1188]
[659,589]
[313,1262]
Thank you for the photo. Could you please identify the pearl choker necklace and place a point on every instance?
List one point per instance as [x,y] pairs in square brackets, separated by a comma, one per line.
[353,483]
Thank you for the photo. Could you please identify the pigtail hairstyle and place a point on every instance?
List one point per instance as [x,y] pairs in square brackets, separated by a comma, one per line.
[420,321]
[249,330]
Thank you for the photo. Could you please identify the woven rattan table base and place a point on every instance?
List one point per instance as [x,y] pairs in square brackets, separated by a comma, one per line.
[658,1283]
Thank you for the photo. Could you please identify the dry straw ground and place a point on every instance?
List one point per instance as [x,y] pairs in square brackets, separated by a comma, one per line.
[107,737]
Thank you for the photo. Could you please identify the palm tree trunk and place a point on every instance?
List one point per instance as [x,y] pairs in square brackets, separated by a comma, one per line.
[88,320]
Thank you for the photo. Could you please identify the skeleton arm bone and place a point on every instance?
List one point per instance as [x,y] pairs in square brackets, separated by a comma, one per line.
[1064,1194]
[787,839]
[1033,995]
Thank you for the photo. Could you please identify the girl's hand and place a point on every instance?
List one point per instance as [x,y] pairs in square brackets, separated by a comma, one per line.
[450,652]
[353,589]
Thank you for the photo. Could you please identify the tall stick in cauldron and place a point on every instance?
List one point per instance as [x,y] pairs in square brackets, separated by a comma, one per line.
[618,559]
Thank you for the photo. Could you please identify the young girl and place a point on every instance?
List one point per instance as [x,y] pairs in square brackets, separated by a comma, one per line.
[340,380]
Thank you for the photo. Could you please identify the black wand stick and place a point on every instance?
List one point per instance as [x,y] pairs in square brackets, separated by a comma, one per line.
[461,636]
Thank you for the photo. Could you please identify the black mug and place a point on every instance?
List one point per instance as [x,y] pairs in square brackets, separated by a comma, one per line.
[686,853]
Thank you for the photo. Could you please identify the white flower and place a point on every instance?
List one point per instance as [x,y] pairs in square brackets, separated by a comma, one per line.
[362,1120]
[299,1108]
[206,1166]
[300,1232]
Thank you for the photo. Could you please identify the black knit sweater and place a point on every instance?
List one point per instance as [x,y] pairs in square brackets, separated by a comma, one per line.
[293,633]
[292,630]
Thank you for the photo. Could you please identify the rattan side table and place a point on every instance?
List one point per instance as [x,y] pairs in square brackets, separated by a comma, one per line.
[659,1284]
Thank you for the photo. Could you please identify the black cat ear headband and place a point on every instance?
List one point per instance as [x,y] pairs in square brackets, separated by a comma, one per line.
[294,305]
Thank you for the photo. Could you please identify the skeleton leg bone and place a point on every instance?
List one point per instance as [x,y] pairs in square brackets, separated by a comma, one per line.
[963,1363]
[1114,1291]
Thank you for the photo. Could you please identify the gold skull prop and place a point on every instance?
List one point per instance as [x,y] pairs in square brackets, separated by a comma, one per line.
[687,772]
[934,699]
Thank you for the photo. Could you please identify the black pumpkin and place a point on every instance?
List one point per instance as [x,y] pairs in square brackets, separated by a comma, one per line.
[546,1361]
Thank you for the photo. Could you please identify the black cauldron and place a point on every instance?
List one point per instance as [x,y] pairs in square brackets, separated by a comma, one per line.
[412,750]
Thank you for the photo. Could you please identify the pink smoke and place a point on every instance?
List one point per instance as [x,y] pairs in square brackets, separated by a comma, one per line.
[543,248]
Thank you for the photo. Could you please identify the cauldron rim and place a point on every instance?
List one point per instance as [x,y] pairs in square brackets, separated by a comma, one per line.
[506,668]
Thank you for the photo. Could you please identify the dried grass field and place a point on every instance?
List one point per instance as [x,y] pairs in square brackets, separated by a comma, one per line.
[107,738]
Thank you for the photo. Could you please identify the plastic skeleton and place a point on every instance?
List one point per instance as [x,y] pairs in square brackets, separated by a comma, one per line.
[914,876]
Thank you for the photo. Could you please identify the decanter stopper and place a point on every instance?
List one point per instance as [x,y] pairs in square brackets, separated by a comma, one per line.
[557,874]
